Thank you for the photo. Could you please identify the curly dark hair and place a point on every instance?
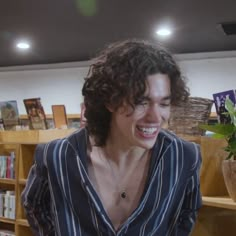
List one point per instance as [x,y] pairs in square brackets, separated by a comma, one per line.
[119,74]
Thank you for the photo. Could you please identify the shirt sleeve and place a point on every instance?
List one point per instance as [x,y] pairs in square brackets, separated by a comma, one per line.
[36,197]
[192,203]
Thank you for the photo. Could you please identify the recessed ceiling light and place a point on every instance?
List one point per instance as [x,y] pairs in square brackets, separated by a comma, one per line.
[163,32]
[23,45]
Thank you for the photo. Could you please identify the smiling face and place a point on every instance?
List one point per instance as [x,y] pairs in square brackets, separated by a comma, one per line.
[141,127]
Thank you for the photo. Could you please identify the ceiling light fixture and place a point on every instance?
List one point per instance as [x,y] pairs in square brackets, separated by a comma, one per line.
[163,32]
[23,45]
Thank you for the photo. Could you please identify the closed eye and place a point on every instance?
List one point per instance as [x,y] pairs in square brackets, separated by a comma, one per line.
[144,103]
[165,104]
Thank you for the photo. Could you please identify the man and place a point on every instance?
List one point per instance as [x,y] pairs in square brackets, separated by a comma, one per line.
[122,174]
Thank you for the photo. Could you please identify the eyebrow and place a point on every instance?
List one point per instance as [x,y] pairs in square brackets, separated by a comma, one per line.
[168,97]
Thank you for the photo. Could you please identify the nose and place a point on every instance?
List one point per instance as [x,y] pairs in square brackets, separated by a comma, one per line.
[154,113]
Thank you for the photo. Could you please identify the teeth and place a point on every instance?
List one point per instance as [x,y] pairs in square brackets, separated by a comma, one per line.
[147,130]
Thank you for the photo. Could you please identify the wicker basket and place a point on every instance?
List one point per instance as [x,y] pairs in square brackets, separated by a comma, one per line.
[186,117]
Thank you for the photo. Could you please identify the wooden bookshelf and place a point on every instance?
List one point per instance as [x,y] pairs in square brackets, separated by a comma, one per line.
[33,136]
[220,202]
[217,217]
[50,116]
[22,222]
[23,143]
[7,222]
[73,121]
[7,181]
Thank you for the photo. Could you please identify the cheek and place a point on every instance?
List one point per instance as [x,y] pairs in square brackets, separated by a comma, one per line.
[165,119]
[124,120]
[166,114]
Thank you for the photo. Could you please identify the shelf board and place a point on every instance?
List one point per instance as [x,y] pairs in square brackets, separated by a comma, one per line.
[7,181]
[22,181]
[220,202]
[7,220]
[23,222]
[50,116]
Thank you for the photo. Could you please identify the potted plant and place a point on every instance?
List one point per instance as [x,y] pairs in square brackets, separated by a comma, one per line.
[228,132]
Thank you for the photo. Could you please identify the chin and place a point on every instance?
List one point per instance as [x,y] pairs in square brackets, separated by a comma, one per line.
[147,144]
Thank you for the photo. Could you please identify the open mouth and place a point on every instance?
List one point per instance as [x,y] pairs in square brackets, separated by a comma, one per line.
[147,132]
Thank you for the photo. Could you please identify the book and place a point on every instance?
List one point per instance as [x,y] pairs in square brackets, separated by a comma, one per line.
[2,194]
[9,115]
[12,165]
[59,116]
[3,166]
[35,112]
[219,100]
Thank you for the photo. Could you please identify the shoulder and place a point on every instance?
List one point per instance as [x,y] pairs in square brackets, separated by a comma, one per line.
[189,151]
[60,147]
[79,137]
[74,140]
[174,139]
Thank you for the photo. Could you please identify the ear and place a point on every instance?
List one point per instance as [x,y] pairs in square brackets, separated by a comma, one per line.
[109,108]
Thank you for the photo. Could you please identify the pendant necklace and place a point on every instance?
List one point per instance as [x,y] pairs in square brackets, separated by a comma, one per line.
[122,193]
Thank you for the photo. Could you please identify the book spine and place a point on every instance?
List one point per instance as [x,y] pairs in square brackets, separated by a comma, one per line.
[1,203]
[12,165]
[8,167]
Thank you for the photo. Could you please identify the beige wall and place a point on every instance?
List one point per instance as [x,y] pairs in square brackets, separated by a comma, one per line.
[207,73]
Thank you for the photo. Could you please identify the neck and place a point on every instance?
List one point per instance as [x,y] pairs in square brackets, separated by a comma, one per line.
[119,154]
[123,157]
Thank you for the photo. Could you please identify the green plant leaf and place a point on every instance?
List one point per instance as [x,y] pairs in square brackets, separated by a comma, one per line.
[222,129]
[218,136]
[229,106]
[232,145]
[227,131]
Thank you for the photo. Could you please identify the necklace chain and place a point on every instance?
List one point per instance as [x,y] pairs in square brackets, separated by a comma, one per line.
[123,192]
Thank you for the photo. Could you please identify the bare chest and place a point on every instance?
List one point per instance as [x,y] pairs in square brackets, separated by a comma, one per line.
[120,193]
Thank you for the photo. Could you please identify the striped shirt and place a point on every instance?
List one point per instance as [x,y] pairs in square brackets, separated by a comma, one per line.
[59,198]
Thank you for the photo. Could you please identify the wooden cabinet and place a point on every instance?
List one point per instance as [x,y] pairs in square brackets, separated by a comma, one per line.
[217,217]
[23,144]
[24,164]
[8,184]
